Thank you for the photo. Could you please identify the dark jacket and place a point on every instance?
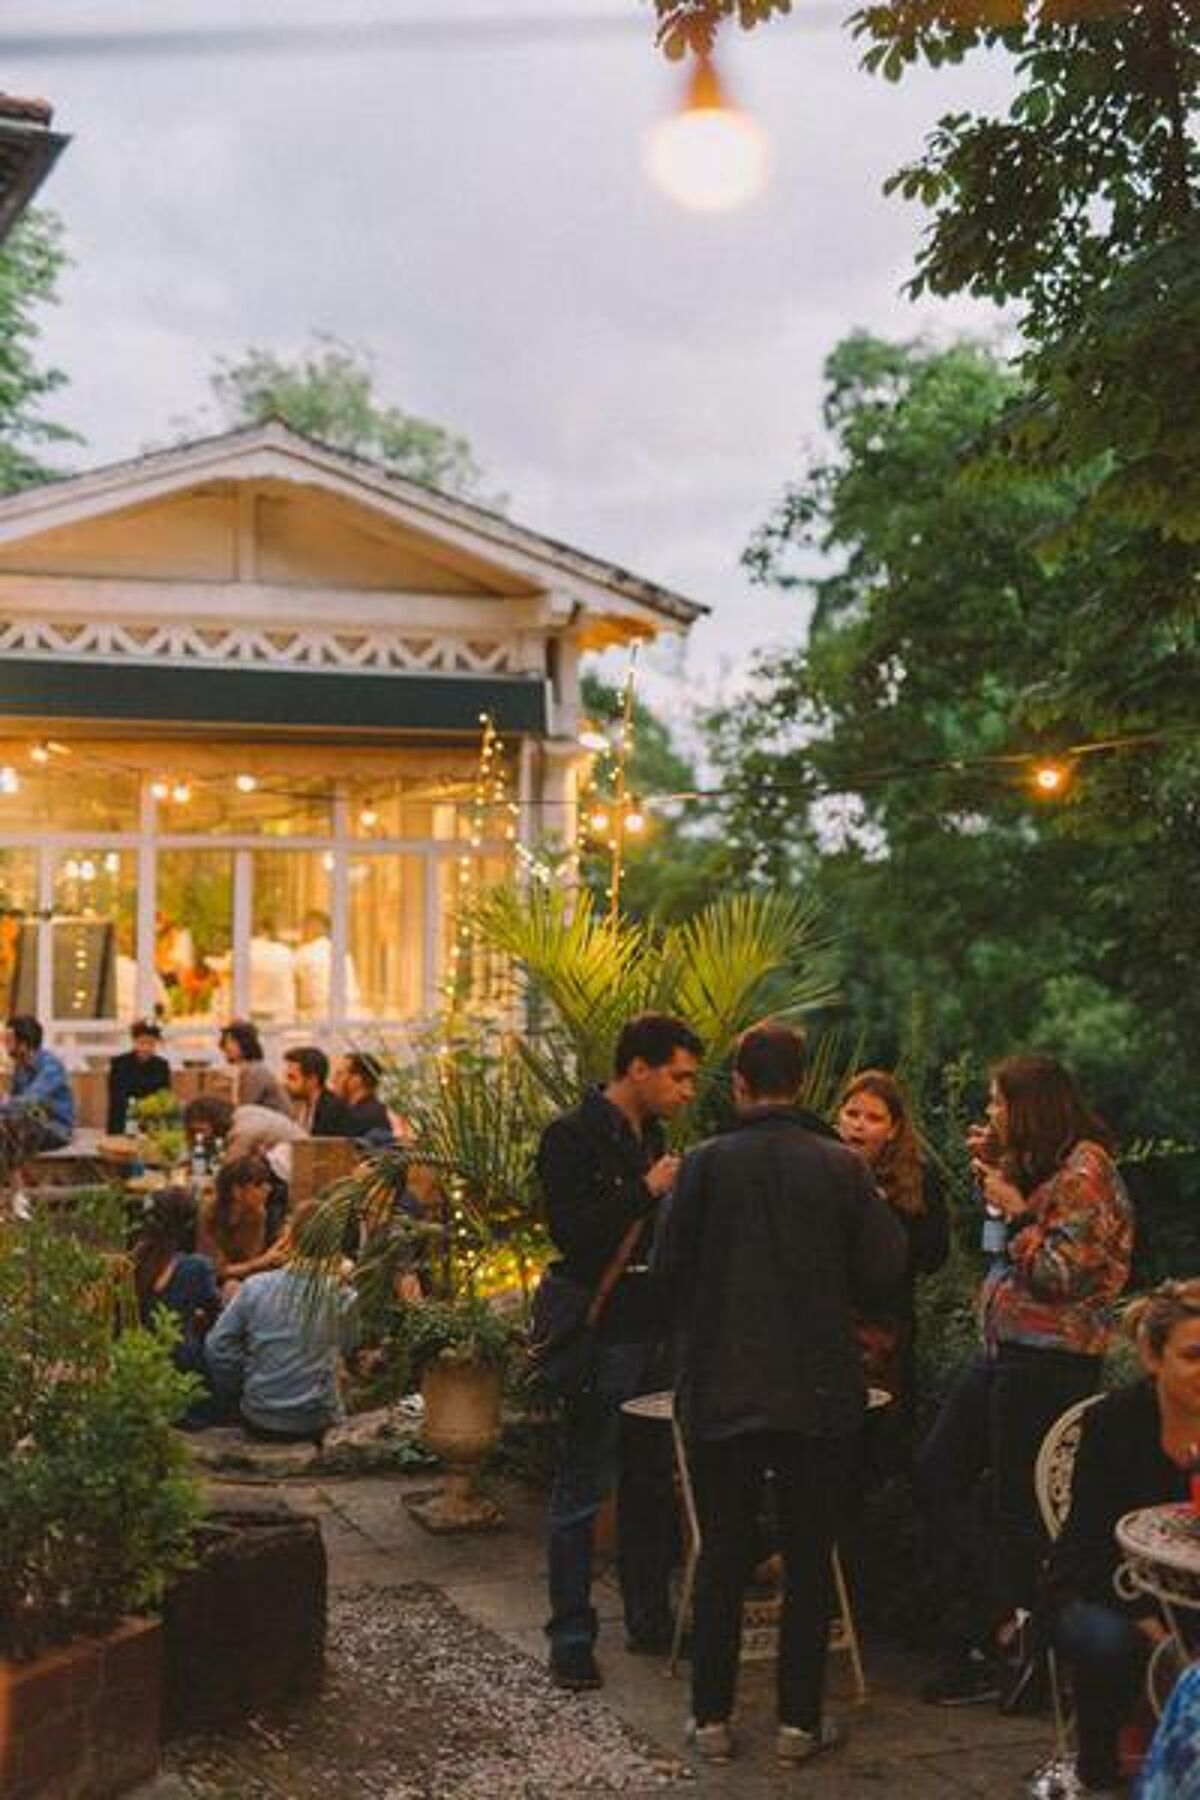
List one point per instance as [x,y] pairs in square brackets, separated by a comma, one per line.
[129,1078]
[369,1118]
[331,1116]
[774,1233]
[591,1166]
[1120,1465]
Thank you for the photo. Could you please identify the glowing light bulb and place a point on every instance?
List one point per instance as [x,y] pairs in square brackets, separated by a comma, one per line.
[709,156]
[635,820]
[1050,778]
[598,822]
[593,739]
[181,793]
[39,754]
[160,789]
[246,784]
[10,781]
[368,818]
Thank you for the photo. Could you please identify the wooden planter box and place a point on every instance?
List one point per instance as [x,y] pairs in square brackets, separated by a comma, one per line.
[82,1722]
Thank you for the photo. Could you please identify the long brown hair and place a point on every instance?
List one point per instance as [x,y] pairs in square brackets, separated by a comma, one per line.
[1047,1117]
[898,1170]
[169,1231]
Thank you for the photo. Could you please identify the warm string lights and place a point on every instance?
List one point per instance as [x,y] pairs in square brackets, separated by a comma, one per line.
[494,815]
[609,813]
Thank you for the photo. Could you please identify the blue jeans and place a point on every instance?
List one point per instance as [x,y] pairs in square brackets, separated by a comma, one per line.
[1107,1655]
[602,1447]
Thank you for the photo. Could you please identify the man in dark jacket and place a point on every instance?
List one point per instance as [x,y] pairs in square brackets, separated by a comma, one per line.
[315,1107]
[603,1170]
[773,1233]
[136,1073]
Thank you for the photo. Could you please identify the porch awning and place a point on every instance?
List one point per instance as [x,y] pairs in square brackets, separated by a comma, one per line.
[268,698]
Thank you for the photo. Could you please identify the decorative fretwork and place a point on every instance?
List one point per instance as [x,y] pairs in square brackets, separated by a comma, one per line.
[256,646]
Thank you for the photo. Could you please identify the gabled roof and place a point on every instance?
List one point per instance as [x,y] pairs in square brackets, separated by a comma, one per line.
[275,452]
[28,150]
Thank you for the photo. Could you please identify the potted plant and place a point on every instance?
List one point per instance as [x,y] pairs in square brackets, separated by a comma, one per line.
[97,1511]
[458,1350]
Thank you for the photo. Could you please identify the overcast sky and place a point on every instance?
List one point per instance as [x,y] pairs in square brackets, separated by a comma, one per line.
[637,379]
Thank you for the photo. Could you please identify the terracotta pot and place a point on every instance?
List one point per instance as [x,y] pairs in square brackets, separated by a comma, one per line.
[82,1722]
[461,1426]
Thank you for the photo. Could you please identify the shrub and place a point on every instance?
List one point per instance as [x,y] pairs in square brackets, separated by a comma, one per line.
[97,1502]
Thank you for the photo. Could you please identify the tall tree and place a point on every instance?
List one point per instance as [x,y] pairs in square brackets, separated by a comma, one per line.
[31,261]
[328,393]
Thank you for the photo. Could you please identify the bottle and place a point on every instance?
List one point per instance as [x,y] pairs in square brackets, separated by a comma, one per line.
[199,1160]
[993,1239]
[131,1118]
[217,1156]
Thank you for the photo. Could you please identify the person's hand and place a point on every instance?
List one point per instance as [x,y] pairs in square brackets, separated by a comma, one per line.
[1000,1194]
[982,1144]
[1151,1628]
[660,1176]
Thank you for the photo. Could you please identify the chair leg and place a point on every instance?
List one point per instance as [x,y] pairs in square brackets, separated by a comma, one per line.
[692,1554]
[1060,1723]
[849,1632]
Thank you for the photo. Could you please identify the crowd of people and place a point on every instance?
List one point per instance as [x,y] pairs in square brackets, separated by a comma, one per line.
[769,1278]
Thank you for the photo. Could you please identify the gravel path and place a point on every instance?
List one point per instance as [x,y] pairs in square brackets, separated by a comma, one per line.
[422,1703]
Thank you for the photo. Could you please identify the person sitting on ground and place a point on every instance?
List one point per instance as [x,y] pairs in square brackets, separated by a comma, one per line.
[136,1073]
[355,1081]
[315,1108]
[253,1083]
[40,1097]
[170,1277]
[1136,1449]
[276,1347]
[233,1227]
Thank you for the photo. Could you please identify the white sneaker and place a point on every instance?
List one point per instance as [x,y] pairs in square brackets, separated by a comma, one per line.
[713,1743]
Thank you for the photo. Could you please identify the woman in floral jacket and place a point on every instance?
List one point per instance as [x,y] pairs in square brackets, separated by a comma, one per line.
[1044,1165]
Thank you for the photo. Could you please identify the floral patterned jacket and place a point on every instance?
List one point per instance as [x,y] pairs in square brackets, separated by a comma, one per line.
[1068,1260]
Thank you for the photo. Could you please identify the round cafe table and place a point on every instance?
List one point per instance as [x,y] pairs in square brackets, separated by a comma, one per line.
[1161,1550]
[661,1406]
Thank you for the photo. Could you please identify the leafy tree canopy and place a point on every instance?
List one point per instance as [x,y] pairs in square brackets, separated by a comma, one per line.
[31,261]
[328,393]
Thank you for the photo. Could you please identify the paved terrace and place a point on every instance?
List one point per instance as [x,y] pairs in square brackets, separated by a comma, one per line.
[898,1746]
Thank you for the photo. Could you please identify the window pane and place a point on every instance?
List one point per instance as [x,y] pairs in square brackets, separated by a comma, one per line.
[280,806]
[195,931]
[290,948]
[67,795]
[18,936]
[385,964]
[429,800]
[94,969]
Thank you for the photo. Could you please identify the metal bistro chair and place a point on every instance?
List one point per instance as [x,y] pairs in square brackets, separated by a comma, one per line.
[1052,1476]
[843,1636]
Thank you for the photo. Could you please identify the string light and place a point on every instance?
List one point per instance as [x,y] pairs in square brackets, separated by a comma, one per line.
[1050,778]
[181,793]
[246,784]
[593,739]
[161,790]
[39,754]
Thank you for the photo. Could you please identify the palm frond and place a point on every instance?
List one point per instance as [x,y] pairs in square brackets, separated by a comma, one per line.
[835,1057]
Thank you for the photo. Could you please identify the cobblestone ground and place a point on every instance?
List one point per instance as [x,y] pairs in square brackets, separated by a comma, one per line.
[897,1746]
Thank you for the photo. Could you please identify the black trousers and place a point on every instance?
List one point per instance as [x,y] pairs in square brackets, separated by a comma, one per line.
[993,1419]
[727,1474]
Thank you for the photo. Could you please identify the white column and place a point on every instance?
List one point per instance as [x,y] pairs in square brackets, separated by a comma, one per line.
[146,937]
[339,909]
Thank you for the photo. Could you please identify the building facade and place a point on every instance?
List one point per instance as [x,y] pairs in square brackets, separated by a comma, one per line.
[241,692]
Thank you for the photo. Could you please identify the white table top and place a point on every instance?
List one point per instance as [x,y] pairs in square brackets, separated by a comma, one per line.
[662,1404]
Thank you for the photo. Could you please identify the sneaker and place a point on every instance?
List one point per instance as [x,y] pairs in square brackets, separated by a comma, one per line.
[968,1682]
[793,1744]
[574,1667]
[713,1743]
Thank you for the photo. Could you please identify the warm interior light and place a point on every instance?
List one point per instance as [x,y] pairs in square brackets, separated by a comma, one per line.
[592,738]
[368,818]
[598,822]
[40,753]
[181,793]
[1049,778]
[709,155]
[635,820]
[10,781]
[246,784]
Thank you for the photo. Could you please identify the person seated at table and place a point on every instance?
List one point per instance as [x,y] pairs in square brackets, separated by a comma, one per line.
[253,1083]
[169,1276]
[136,1073]
[234,1228]
[242,1130]
[1136,1448]
[315,1108]
[276,1347]
[355,1081]
[40,1097]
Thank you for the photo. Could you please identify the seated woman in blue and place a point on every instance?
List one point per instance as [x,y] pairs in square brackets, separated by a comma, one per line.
[169,1277]
[1136,1449]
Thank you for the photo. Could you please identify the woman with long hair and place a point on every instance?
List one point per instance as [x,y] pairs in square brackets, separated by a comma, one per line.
[875,1118]
[169,1277]
[1137,1448]
[253,1082]
[1044,1166]
[234,1225]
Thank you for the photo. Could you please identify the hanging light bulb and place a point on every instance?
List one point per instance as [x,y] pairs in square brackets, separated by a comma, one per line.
[160,789]
[181,793]
[709,156]
[246,784]
[592,738]
[368,818]
[40,753]
[1051,778]
[635,819]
